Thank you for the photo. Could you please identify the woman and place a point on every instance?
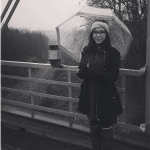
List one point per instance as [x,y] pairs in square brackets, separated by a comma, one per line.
[99,67]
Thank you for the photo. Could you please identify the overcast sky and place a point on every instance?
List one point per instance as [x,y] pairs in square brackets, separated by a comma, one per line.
[42,14]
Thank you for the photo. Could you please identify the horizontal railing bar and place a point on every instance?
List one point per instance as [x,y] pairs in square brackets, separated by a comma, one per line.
[129,126]
[69,99]
[37,65]
[63,121]
[132,72]
[42,80]
[66,113]
[129,72]
[40,108]
[121,90]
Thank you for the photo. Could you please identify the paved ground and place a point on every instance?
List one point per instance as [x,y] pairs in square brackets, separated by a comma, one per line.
[21,140]
[12,139]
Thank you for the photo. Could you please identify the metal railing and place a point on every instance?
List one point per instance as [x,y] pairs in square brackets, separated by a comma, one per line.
[36,112]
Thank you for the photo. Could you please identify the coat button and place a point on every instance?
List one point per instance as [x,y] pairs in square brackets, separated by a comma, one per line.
[113,97]
[98,102]
[97,119]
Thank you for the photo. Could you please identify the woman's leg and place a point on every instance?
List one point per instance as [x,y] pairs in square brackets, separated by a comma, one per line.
[107,138]
[95,134]
[107,134]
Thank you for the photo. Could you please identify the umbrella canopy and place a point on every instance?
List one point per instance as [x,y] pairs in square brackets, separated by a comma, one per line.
[73,34]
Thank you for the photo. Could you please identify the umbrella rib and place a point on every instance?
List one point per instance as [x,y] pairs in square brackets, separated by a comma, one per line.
[76,29]
[92,20]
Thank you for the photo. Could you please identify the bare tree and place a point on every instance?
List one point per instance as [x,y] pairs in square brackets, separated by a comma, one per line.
[131,9]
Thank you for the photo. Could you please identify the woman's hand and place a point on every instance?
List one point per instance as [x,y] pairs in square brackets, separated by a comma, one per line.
[86,73]
[82,73]
[91,73]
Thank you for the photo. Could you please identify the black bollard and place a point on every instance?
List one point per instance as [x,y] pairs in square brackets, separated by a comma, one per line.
[55,56]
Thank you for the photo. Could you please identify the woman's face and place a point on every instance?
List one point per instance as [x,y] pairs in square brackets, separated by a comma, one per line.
[99,35]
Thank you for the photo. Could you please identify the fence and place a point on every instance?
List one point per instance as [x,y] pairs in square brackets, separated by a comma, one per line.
[36,112]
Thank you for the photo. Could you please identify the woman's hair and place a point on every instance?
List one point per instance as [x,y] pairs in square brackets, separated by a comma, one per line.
[92,43]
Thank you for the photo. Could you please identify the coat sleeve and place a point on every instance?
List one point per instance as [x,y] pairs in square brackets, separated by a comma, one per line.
[107,76]
[83,63]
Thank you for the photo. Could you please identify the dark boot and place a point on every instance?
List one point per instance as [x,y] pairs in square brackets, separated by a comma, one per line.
[96,137]
[107,138]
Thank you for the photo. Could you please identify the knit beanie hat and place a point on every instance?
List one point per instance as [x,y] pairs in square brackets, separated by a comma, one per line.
[100,24]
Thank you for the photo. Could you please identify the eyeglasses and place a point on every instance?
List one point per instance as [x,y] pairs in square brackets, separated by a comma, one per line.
[102,33]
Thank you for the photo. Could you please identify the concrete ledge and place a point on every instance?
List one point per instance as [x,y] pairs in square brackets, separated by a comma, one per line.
[51,130]
[133,140]
[67,134]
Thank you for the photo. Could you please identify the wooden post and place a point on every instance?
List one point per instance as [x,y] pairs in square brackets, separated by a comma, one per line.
[123,97]
[55,56]
[70,91]
[32,100]
[147,103]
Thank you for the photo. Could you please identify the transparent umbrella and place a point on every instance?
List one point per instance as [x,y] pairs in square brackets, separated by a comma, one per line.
[73,34]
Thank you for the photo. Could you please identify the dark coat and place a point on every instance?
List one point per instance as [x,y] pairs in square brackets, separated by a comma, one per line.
[108,103]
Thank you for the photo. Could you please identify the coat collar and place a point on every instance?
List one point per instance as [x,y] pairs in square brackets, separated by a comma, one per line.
[106,48]
[107,55]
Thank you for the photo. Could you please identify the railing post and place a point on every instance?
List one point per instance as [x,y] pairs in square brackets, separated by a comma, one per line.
[123,97]
[70,91]
[32,99]
[147,102]
[29,71]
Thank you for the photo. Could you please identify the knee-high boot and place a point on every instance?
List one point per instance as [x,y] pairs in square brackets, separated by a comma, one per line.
[96,137]
[107,138]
